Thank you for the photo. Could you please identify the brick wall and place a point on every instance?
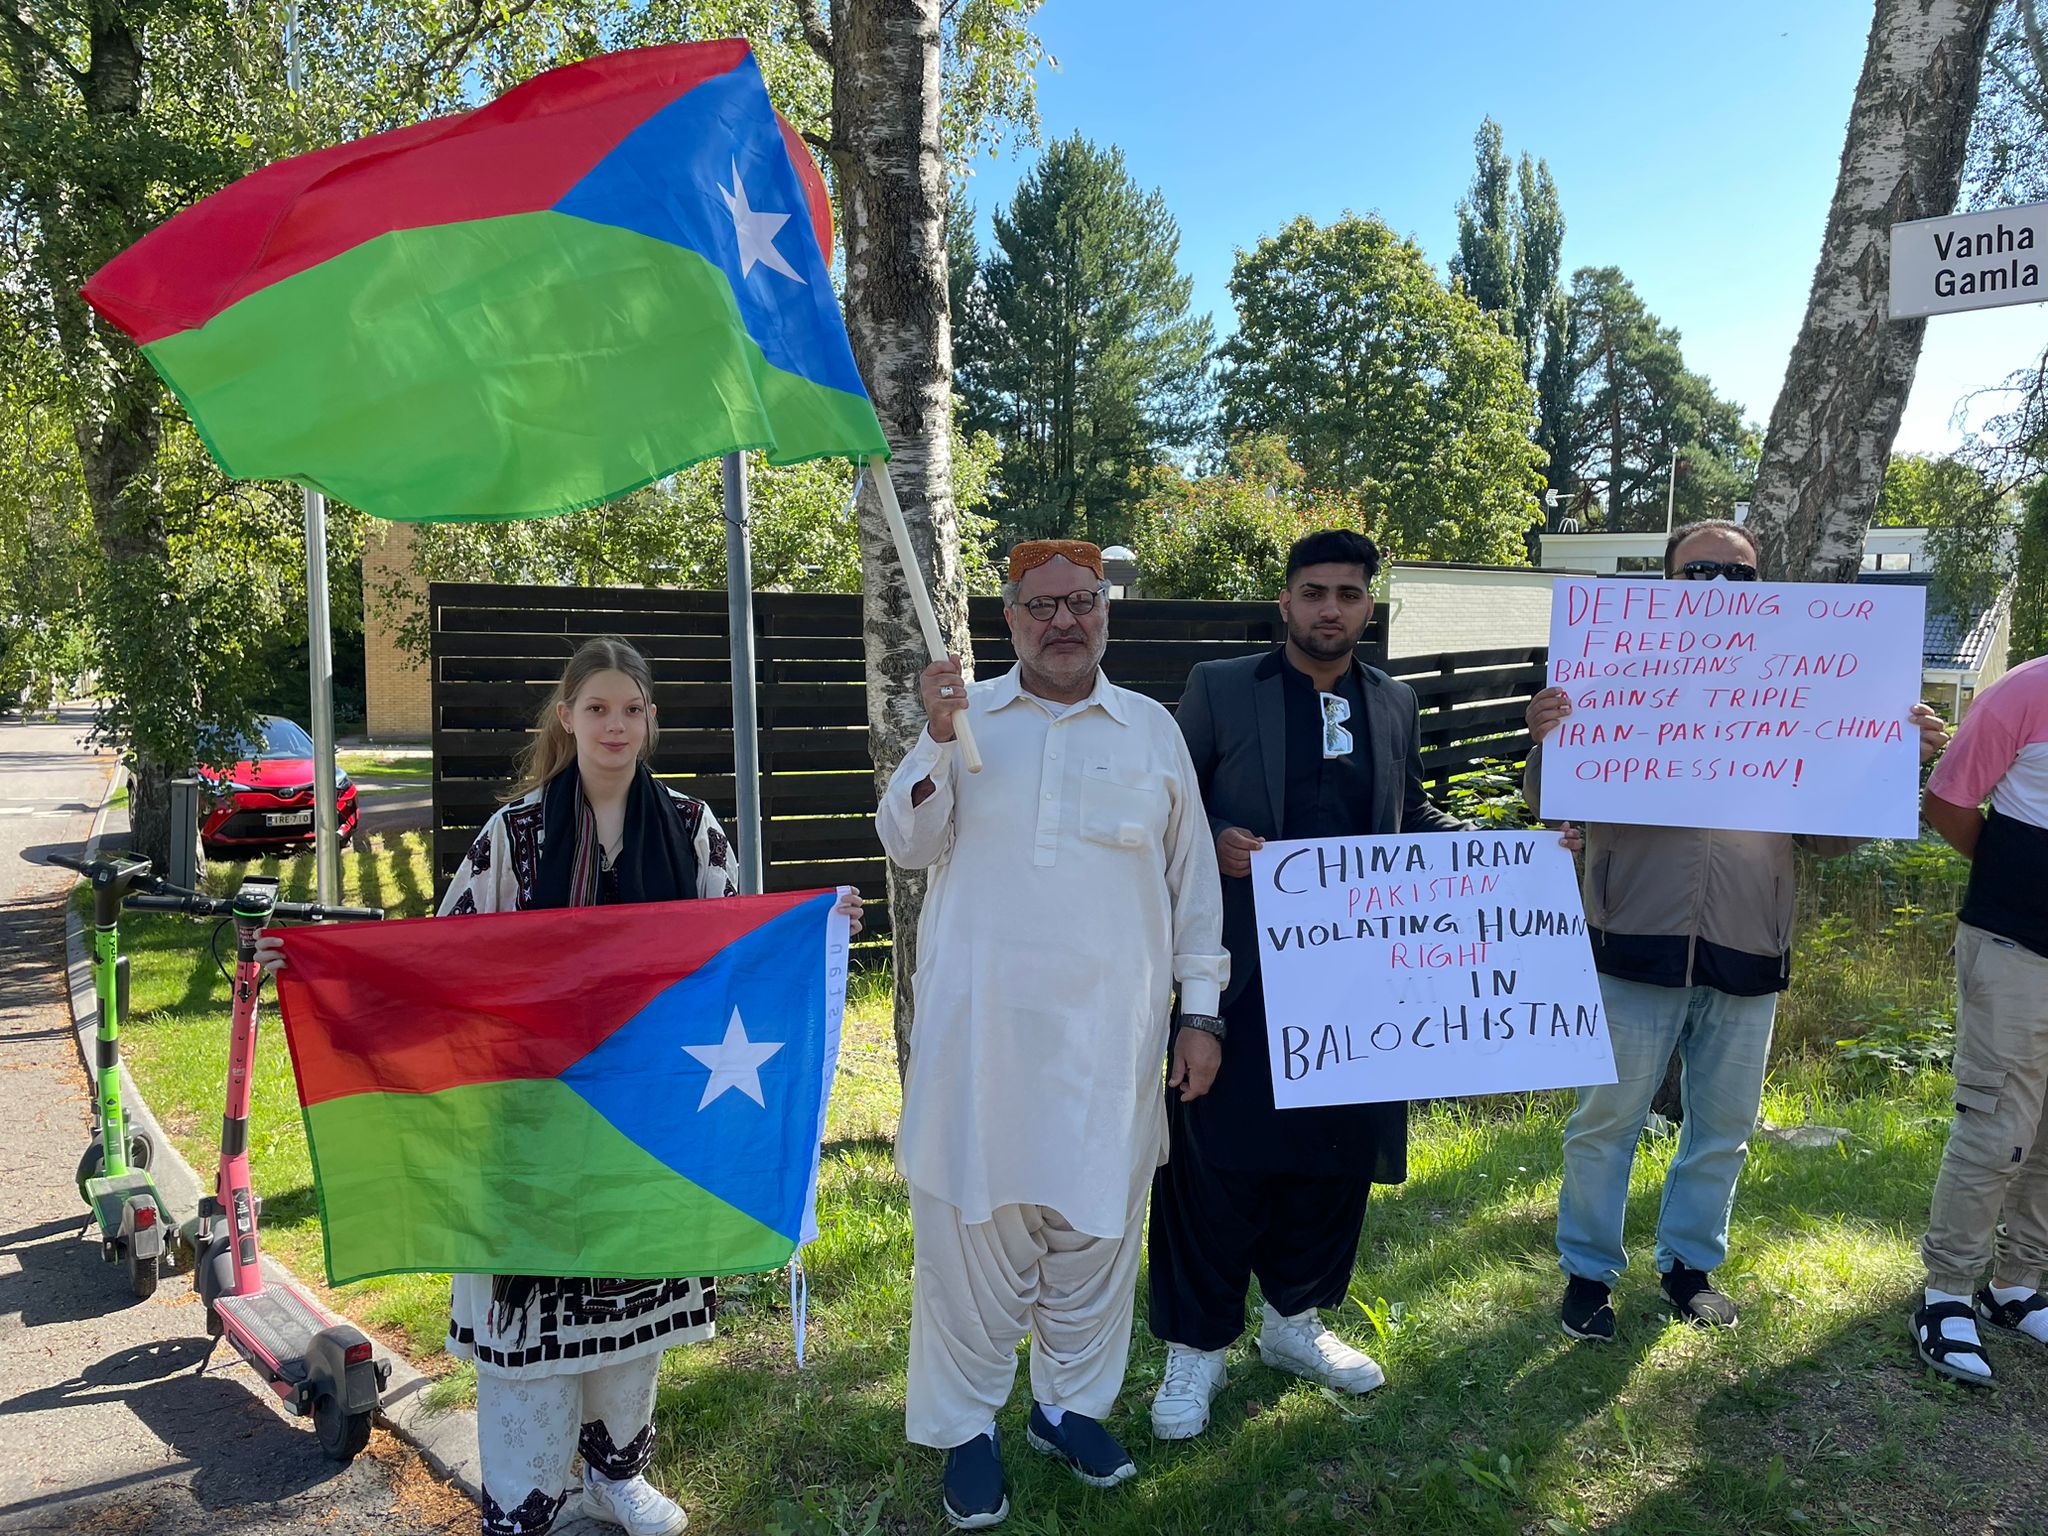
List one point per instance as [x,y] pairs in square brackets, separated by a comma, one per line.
[397,703]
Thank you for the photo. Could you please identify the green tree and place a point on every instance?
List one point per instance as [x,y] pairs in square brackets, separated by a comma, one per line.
[2030,579]
[1078,353]
[2008,155]
[1387,388]
[117,114]
[1631,407]
[1510,244]
[1487,262]
[46,544]
[1226,536]
[672,534]
[1969,522]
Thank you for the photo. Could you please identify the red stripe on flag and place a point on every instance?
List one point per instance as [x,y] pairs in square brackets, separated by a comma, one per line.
[431,1003]
[518,154]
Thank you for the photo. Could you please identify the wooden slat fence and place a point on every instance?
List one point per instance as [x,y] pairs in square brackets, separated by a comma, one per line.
[496,651]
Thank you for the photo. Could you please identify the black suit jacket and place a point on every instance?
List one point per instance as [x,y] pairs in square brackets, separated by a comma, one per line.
[1234,717]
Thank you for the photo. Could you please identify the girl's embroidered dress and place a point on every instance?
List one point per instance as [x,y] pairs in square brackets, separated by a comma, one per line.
[569,1324]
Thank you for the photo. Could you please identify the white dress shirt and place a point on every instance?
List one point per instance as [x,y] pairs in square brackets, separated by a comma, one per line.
[1073,886]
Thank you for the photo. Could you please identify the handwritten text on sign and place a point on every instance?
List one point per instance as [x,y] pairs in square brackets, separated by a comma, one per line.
[1760,706]
[1432,966]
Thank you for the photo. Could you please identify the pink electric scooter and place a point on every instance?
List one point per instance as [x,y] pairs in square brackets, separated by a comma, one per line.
[316,1366]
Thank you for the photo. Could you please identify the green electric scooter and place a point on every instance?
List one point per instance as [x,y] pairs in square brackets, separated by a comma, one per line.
[113,1175]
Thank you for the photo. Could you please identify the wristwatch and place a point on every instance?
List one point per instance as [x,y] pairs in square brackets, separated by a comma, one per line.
[1207,1023]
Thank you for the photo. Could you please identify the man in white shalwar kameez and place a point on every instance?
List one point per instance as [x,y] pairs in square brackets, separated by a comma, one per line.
[1073,892]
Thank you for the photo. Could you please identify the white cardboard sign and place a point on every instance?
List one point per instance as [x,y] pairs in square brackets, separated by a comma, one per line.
[1429,966]
[1756,706]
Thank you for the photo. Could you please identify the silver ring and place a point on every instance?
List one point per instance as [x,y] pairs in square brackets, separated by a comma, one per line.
[946,693]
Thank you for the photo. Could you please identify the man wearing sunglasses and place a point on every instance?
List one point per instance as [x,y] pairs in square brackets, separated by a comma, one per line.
[1302,741]
[1073,890]
[1692,938]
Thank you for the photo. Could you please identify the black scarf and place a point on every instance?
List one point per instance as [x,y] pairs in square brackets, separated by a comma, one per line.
[656,860]
[656,863]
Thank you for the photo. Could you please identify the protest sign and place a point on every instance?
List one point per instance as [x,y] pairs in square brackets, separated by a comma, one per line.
[1432,966]
[1757,706]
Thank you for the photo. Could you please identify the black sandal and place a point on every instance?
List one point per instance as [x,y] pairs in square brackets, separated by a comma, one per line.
[2006,1316]
[1935,1347]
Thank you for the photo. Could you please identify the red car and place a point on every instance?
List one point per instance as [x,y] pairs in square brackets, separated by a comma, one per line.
[262,798]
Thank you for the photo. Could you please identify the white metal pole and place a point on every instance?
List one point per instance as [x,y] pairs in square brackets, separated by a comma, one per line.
[319,632]
[739,612]
[1671,494]
[921,600]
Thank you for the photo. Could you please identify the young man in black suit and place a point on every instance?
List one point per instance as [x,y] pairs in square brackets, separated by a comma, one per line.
[1303,741]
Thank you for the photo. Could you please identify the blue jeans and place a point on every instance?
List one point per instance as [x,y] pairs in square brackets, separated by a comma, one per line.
[1724,1045]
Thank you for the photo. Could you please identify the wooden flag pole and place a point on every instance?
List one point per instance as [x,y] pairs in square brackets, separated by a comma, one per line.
[913,577]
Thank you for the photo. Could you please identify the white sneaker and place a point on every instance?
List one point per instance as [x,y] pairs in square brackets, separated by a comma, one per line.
[1180,1408]
[1303,1347]
[633,1503]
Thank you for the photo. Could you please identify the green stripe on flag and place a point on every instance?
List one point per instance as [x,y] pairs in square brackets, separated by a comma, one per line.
[494,369]
[517,1177]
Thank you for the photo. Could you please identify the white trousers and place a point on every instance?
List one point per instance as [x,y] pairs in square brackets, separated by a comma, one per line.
[529,1426]
[979,1287]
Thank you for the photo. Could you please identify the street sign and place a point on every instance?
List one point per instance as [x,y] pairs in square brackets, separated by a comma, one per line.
[1969,261]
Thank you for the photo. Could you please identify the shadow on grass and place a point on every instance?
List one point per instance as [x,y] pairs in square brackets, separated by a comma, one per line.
[1853,1435]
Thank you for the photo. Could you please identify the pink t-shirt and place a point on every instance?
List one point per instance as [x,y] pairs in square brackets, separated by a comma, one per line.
[2000,752]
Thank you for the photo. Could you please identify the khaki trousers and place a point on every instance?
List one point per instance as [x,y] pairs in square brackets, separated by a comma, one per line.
[1994,1168]
[978,1288]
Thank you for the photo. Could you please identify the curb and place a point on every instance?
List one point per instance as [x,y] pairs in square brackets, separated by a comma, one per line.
[445,1438]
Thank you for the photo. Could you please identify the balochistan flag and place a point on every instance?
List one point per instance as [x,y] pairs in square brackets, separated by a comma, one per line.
[613,271]
[630,1092]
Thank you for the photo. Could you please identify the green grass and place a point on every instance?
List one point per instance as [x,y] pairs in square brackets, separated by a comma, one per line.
[380,768]
[176,1041]
[1811,1417]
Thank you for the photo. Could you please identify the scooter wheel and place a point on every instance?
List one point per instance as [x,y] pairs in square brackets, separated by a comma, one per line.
[142,1275]
[342,1435]
[141,1151]
[88,1168]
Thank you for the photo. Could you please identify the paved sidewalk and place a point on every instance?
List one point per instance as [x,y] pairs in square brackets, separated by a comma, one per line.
[105,1426]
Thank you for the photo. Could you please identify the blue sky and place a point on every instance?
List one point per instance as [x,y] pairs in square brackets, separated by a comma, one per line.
[1694,147]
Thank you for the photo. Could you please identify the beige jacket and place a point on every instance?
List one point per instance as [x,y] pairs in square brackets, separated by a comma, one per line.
[1729,892]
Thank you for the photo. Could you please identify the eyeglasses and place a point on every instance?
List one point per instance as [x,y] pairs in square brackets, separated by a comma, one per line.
[1336,710]
[1079,604]
[1707,570]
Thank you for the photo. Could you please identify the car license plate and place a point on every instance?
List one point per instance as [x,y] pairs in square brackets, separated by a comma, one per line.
[288,818]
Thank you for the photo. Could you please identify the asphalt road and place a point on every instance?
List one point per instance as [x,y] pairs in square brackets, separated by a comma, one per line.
[104,1425]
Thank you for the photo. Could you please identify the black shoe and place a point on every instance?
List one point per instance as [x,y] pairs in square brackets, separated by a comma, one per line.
[2010,1316]
[1691,1293]
[1084,1445]
[1586,1313]
[974,1495]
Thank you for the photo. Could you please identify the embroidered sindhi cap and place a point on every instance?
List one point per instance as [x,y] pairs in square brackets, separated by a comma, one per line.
[1033,553]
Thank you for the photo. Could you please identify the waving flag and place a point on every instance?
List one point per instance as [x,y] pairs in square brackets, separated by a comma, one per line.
[617,269]
[630,1092]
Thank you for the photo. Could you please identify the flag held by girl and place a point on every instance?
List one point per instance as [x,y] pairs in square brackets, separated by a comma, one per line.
[586,1091]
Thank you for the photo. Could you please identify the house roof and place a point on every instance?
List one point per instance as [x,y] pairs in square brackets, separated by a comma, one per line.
[1950,642]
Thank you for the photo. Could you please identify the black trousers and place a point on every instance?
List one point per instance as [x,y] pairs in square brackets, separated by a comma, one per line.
[1214,1228]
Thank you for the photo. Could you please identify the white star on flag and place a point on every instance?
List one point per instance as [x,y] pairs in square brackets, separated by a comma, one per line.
[755,231]
[735,1062]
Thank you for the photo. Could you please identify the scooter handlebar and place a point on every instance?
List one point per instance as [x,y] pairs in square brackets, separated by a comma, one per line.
[305,912]
[197,906]
[127,871]
[223,906]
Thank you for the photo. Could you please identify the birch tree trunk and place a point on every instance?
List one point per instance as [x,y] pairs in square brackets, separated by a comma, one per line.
[892,193]
[1852,367]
